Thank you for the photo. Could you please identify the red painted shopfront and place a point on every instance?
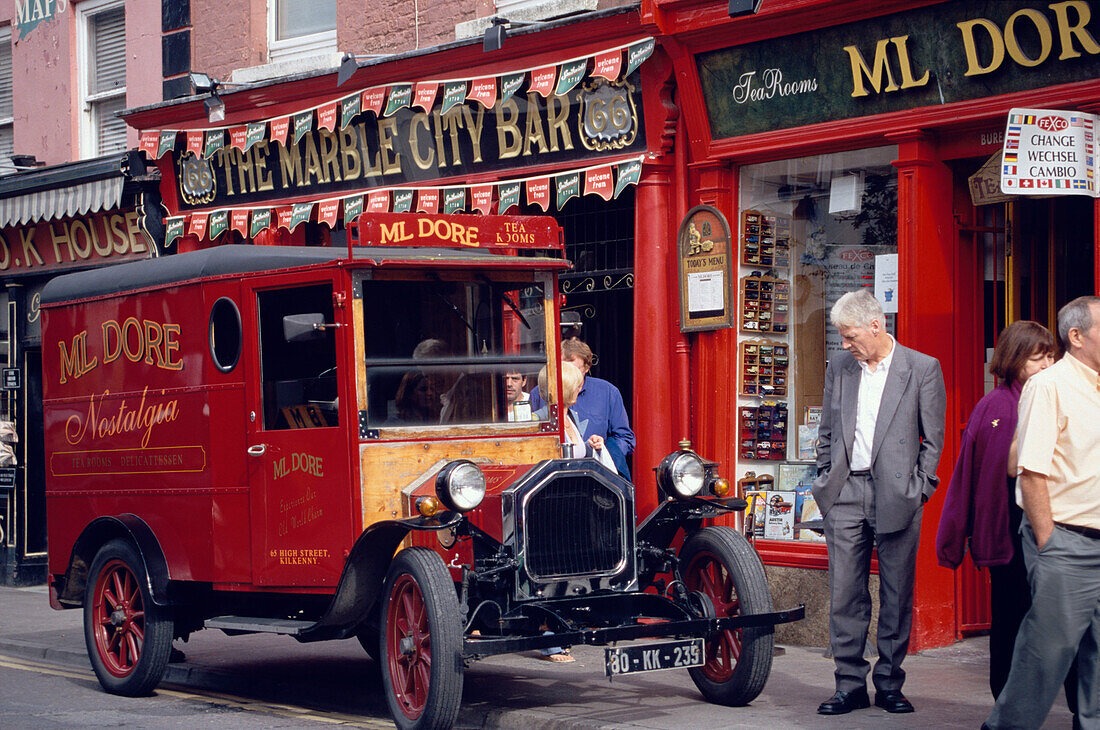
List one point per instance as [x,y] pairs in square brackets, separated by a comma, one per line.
[846,129]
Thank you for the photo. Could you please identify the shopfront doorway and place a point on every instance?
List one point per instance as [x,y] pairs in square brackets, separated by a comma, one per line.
[1028,257]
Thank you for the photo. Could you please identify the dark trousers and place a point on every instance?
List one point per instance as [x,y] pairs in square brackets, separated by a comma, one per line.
[1009,600]
[850,536]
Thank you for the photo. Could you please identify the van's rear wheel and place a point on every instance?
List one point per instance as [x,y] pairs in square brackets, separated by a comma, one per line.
[720,562]
[421,641]
[129,638]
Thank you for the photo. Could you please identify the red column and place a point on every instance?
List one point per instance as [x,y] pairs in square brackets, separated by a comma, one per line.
[928,279]
[654,253]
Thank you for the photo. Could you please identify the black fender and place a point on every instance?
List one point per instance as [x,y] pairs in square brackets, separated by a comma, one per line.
[96,535]
[365,570]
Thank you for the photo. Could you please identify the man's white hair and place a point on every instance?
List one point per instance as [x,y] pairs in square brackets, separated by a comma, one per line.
[857,309]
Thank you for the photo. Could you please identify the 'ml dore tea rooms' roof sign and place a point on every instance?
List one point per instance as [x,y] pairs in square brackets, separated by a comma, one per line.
[932,55]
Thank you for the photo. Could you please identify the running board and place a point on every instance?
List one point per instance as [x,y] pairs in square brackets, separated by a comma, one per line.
[251,625]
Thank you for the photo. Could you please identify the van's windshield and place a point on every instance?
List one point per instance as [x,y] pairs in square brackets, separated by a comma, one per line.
[452,352]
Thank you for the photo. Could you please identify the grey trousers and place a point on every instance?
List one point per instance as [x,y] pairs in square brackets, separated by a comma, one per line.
[850,536]
[1064,621]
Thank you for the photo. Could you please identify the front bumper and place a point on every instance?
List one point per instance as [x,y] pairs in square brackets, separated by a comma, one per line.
[662,617]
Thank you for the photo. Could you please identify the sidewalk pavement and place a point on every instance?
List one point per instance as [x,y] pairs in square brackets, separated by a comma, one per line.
[948,686]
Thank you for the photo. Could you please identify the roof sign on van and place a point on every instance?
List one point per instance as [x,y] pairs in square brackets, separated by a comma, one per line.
[456,231]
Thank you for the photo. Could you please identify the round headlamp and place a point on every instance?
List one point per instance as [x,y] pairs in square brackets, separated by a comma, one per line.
[460,485]
[682,474]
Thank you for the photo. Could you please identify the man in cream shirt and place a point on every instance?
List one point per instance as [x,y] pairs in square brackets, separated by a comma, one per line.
[1059,489]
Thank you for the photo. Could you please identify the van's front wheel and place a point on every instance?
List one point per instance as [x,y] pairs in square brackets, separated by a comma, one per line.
[421,641]
[129,638]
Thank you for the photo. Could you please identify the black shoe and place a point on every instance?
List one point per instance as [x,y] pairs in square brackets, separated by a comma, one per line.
[844,702]
[892,700]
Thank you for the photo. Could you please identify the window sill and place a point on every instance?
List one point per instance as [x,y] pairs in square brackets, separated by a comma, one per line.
[529,12]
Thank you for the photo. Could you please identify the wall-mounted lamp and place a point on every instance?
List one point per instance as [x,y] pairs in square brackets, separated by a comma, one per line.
[744,7]
[350,64]
[496,32]
[213,104]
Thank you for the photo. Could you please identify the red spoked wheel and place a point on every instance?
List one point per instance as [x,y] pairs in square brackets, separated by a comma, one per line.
[720,563]
[421,641]
[128,637]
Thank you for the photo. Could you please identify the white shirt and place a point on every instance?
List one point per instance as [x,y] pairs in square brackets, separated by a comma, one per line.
[871,385]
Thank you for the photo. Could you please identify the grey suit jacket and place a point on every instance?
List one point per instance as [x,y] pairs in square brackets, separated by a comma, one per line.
[908,435]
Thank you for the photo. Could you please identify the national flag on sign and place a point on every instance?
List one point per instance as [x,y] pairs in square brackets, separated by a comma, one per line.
[482,197]
[1027,183]
[1009,170]
[373,100]
[378,201]
[425,95]
[198,225]
[238,221]
[1011,157]
[194,142]
[1012,144]
[327,211]
[1044,182]
[1080,185]
[538,193]
[484,91]
[326,116]
[542,80]
[608,64]
[1014,129]
[427,200]
[1076,122]
[279,129]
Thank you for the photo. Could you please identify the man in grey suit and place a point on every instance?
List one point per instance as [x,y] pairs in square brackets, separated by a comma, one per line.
[878,445]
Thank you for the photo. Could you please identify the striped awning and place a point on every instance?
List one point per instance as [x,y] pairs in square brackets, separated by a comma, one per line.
[65,191]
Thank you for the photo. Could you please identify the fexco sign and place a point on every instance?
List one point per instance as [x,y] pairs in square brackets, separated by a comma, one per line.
[1049,152]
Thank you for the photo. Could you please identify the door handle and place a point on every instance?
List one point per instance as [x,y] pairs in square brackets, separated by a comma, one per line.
[257,450]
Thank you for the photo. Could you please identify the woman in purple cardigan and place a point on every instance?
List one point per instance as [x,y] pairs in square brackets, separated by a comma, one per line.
[981,500]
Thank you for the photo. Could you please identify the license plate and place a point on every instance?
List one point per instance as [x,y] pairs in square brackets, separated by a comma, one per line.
[653,657]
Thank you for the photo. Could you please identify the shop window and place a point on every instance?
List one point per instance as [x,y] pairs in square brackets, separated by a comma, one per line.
[103,50]
[438,352]
[809,230]
[300,27]
[298,369]
[7,133]
[225,334]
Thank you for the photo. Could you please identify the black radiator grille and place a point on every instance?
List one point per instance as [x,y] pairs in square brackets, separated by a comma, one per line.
[574,526]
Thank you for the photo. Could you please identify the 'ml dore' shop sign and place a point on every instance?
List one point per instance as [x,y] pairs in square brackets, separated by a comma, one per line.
[933,55]
[595,120]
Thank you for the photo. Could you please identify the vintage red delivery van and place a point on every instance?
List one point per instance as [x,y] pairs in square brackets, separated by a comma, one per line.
[316,442]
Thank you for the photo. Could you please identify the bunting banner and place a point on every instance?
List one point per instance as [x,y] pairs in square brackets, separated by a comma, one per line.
[300,213]
[261,220]
[555,78]
[402,201]
[279,129]
[238,221]
[482,198]
[197,226]
[166,142]
[424,95]
[219,222]
[173,229]
[606,181]
[427,201]
[400,97]
[507,196]
[353,207]
[327,210]
[350,107]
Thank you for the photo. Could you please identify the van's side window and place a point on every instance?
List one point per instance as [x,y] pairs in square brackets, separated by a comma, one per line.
[298,360]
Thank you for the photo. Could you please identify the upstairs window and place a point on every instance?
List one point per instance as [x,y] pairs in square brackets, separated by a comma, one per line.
[7,133]
[300,27]
[103,36]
